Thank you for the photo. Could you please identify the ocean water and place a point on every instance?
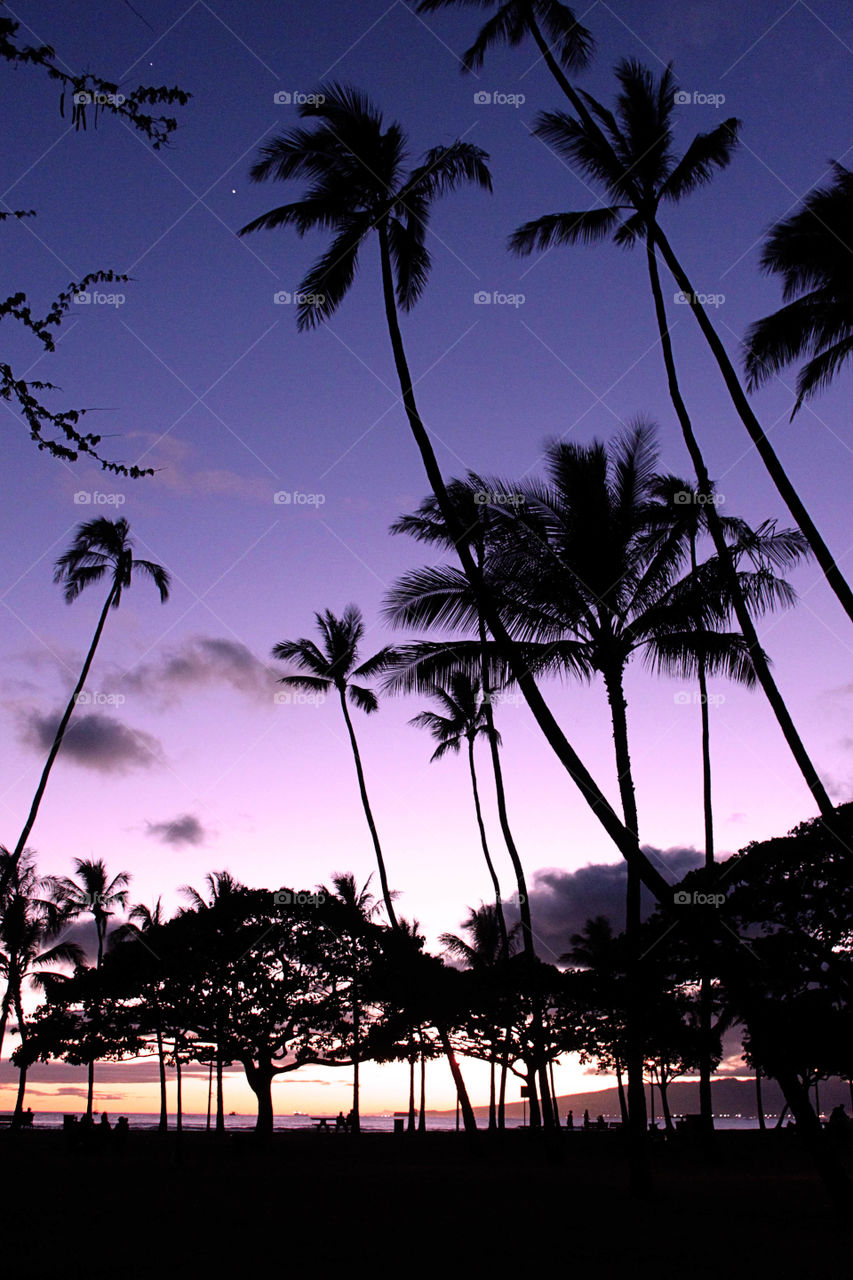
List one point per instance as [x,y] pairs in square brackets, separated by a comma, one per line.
[383,1123]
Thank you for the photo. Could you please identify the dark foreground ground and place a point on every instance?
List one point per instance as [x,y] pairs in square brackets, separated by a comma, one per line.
[312,1204]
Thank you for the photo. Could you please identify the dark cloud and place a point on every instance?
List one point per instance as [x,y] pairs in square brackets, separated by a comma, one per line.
[561,902]
[185,829]
[202,661]
[94,741]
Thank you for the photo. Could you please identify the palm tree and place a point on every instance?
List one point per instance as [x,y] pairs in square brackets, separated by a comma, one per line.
[631,154]
[489,948]
[464,721]
[333,667]
[426,524]
[812,251]
[561,40]
[145,920]
[359,906]
[93,893]
[222,888]
[101,548]
[358,186]
[28,921]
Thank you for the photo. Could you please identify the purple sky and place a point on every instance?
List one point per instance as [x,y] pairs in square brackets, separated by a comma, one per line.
[201,375]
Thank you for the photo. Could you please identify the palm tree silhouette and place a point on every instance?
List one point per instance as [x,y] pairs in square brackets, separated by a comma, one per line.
[359,906]
[29,925]
[426,524]
[222,888]
[358,186]
[101,548]
[93,893]
[630,152]
[562,41]
[812,252]
[489,948]
[146,920]
[465,720]
[333,667]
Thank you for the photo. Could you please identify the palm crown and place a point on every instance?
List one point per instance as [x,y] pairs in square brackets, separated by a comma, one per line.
[465,717]
[512,22]
[100,547]
[813,253]
[358,185]
[333,664]
[630,151]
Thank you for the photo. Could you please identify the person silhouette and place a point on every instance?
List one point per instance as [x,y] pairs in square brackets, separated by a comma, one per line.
[586,1123]
[570,1120]
[340,1121]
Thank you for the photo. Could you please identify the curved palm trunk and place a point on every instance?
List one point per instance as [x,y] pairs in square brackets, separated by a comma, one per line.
[625,842]
[500,796]
[383,879]
[633,922]
[777,472]
[745,622]
[355,1124]
[6,1005]
[620,1089]
[469,1120]
[60,733]
[499,911]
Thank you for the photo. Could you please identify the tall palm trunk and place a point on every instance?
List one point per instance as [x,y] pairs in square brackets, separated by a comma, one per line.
[220,1099]
[161,1055]
[22,1070]
[706,1106]
[759,1104]
[355,1125]
[6,1005]
[422,1104]
[745,622]
[777,472]
[633,922]
[410,1124]
[622,838]
[469,1120]
[60,733]
[383,879]
[620,1089]
[499,911]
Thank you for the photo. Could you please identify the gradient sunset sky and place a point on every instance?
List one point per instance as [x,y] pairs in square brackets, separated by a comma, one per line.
[183,762]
